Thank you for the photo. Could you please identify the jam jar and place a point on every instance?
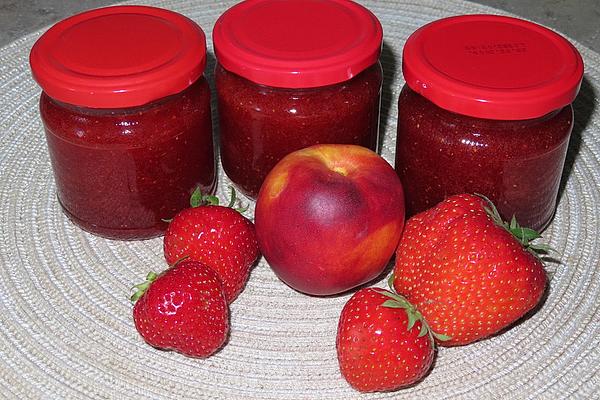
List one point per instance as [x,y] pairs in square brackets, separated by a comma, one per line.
[126,113]
[486,109]
[291,74]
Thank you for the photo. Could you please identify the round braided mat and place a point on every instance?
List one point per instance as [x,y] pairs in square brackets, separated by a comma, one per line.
[65,321]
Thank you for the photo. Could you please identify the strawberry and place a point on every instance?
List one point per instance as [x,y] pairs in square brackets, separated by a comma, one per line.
[469,273]
[182,309]
[383,343]
[217,236]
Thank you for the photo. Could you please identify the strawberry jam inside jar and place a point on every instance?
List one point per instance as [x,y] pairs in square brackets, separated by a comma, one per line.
[126,112]
[486,109]
[291,74]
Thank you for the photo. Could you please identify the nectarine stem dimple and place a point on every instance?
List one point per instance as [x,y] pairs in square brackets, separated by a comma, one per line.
[340,170]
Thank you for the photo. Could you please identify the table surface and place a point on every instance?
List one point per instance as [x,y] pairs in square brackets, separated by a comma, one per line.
[576,19]
[66,292]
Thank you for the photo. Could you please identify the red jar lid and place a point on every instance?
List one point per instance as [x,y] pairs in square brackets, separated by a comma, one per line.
[118,57]
[297,43]
[492,67]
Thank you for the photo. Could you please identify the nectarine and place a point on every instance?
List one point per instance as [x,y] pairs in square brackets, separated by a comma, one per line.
[329,217]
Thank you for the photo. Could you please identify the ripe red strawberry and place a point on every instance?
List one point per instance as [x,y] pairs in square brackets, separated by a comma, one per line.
[218,236]
[382,342]
[182,309]
[469,273]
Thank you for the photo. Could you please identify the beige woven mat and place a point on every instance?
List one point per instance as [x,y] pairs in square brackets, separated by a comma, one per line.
[65,319]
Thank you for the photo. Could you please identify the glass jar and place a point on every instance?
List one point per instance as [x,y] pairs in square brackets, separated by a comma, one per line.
[127,117]
[290,75]
[486,109]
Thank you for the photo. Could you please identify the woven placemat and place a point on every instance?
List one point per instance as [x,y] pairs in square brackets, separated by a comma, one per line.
[65,320]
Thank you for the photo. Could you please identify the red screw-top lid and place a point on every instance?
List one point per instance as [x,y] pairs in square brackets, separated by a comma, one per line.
[297,43]
[117,57]
[492,67]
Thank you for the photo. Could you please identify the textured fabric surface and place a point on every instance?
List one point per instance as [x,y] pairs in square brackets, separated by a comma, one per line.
[65,323]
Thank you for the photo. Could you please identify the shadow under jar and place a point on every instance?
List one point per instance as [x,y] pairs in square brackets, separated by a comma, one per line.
[290,75]
[128,125]
[486,109]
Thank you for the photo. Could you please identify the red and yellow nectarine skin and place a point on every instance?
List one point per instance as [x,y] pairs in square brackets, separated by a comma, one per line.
[329,217]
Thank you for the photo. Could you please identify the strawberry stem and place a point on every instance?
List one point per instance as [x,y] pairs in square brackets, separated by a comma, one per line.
[398,301]
[141,288]
[524,235]
[390,282]
[232,198]
[198,199]
[440,336]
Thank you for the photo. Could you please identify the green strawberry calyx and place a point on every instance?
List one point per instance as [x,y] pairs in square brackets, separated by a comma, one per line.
[524,235]
[198,199]
[141,288]
[399,301]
